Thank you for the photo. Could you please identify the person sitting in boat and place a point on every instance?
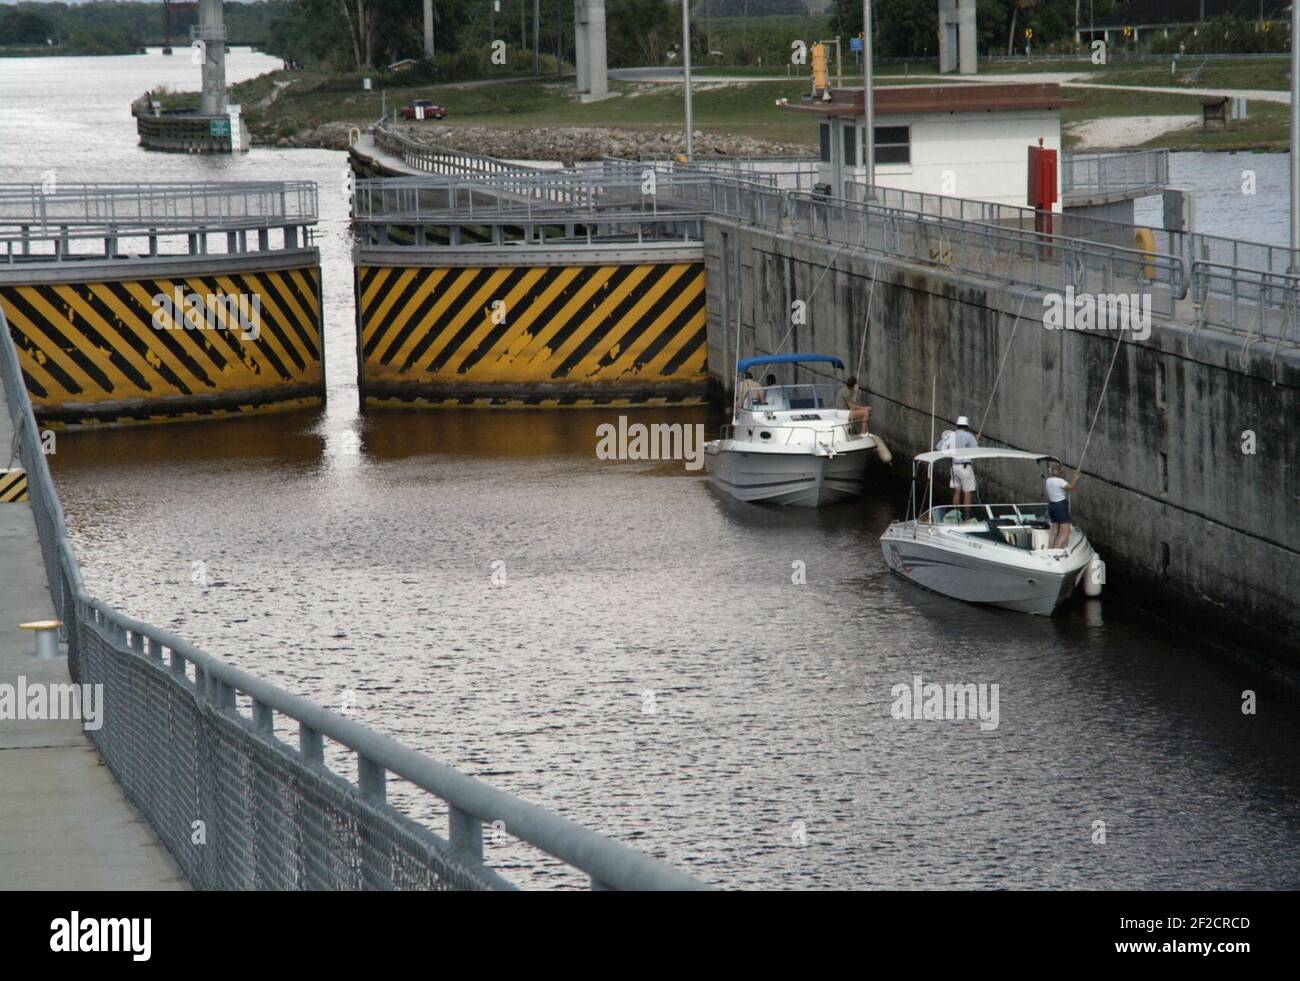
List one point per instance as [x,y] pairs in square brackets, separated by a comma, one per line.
[1058,505]
[962,481]
[772,395]
[848,398]
[745,389]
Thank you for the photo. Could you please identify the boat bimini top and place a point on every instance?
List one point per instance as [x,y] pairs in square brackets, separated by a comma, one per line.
[746,363]
[978,453]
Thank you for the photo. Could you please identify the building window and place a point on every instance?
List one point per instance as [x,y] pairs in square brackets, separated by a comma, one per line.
[850,146]
[893,144]
[826,142]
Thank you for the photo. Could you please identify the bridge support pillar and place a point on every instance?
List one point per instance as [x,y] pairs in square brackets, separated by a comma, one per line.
[211,31]
[957,39]
[589,47]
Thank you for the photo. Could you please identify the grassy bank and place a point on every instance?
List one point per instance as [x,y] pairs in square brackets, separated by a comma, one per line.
[289,103]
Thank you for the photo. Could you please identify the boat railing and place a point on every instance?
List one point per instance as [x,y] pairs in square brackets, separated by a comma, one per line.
[837,432]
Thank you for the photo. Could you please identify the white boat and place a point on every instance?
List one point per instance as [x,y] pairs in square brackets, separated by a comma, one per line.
[788,444]
[989,553]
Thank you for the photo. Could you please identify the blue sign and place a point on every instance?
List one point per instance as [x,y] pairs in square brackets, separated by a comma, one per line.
[855,44]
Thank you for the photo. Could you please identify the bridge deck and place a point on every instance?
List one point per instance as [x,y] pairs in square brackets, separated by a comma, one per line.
[67,825]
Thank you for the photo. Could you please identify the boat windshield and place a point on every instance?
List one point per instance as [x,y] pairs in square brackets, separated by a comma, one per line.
[790,398]
[999,514]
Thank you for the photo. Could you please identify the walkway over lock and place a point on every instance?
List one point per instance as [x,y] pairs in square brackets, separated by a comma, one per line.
[64,222]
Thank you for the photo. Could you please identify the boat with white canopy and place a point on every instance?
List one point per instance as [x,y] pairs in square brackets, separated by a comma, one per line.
[789,444]
[997,554]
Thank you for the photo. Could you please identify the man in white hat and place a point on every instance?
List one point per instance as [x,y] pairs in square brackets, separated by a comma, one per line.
[963,474]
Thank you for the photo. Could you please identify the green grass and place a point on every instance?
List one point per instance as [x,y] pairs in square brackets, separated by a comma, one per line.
[1098,103]
[740,108]
[1245,73]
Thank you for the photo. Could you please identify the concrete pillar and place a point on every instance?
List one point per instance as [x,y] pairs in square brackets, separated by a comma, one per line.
[589,37]
[211,31]
[957,52]
[947,36]
[968,55]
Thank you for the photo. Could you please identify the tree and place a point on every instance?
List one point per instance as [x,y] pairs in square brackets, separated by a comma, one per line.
[24,27]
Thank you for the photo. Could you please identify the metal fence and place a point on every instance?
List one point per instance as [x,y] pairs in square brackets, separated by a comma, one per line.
[1102,173]
[207,205]
[65,222]
[1027,258]
[788,173]
[439,160]
[190,738]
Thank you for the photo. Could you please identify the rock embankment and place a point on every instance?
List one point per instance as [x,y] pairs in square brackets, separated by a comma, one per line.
[565,144]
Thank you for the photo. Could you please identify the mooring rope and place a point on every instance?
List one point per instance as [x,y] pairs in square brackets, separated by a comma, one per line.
[1010,342]
[866,320]
[1101,399]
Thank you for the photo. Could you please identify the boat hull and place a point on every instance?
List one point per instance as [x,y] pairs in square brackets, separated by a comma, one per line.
[974,579]
[794,479]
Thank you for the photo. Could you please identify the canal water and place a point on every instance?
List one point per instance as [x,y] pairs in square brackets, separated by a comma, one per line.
[709,682]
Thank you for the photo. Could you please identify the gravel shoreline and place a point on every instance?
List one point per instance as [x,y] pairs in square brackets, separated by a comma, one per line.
[563,144]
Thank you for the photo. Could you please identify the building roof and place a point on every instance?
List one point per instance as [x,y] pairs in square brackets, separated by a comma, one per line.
[1143,13]
[918,100]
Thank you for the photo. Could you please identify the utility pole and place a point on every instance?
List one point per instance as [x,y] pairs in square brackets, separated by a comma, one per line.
[537,37]
[868,103]
[686,75]
[428,29]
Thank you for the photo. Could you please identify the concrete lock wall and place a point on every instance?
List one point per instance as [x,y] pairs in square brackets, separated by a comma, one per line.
[1190,526]
[101,348]
[539,335]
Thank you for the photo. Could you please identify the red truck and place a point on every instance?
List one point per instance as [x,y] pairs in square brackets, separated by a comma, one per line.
[431,110]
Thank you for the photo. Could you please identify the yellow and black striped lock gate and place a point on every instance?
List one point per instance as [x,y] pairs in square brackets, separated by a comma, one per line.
[532,335]
[144,349]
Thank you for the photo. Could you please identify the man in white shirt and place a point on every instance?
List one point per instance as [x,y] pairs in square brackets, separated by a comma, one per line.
[1058,505]
[963,474]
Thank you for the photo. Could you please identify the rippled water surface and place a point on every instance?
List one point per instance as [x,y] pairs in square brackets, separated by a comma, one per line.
[615,641]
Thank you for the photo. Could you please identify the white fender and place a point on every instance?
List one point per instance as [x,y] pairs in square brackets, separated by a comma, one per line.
[1094,577]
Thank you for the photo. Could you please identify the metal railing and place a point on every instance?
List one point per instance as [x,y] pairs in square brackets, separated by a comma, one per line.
[61,222]
[1060,223]
[1263,305]
[190,738]
[1103,173]
[211,205]
[1030,259]
[787,173]
[437,160]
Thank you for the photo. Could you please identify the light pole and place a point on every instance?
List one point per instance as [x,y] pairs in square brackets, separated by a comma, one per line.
[868,100]
[686,75]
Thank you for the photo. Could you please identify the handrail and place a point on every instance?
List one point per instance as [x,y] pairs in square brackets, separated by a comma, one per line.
[609,864]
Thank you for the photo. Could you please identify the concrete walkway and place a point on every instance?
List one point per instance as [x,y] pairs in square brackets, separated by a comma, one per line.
[64,823]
